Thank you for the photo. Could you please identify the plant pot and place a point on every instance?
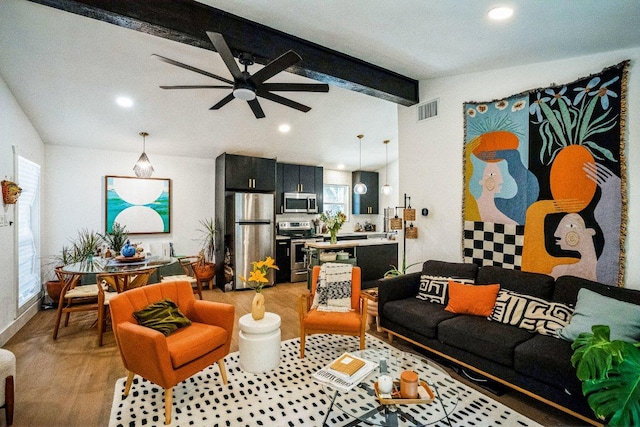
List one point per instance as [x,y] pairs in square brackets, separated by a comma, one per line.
[257,307]
[54,287]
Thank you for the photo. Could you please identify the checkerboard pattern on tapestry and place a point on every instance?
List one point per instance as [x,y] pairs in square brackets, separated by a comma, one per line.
[487,243]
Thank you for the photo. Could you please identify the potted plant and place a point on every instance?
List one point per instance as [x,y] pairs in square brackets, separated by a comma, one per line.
[257,280]
[205,267]
[610,375]
[116,238]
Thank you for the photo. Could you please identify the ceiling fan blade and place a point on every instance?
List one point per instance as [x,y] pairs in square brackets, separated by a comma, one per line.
[256,108]
[190,68]
[223,49]
[281,63]
[296,87]
[224,101]
[282,100]
[196,87]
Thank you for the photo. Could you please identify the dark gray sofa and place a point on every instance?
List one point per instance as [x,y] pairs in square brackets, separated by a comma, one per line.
[535,364]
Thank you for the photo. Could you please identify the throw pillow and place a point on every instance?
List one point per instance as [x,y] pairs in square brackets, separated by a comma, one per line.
[530,313]
[623,318]
[163,316]
[477,300]
[434,288]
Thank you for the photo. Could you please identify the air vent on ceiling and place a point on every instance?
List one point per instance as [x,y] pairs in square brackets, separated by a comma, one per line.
[428,110]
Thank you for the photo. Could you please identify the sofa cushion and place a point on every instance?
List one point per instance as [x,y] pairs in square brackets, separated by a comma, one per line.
[534,284]
[194,341]
[491,340]
[623,318]
[567,288]
[416,315]
[435,288]
[470,299]
[530,313]
[549,360]
[456,270]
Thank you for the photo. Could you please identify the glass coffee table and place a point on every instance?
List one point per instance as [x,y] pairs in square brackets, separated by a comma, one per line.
[362,404]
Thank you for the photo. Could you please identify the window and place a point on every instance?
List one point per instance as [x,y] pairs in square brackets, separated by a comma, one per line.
[336,198]
[28,232]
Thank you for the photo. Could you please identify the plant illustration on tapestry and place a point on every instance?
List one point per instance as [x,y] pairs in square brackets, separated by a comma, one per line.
[141,205]
[545,179]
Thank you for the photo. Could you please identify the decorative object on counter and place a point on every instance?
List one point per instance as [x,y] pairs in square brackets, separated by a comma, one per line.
[143,167]
[257,280]
[386,188]
[334,222]
[10,192]
[128,250]
[360,187]
[369,226]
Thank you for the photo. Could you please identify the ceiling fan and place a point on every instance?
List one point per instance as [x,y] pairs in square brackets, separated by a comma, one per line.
[246,86]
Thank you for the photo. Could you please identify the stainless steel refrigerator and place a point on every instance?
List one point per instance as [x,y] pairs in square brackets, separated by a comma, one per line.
[253,234]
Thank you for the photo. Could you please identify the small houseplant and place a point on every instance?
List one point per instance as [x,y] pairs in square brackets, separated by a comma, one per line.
[205,268]
[257,280]
[334,222]
[116,238]
[610,375]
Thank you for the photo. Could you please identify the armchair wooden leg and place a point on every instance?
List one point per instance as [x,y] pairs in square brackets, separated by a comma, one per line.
[127,385]
[302,343]
[223,371]
[9,399]
[362,342]
[58,318]
[100,324]
[168,401]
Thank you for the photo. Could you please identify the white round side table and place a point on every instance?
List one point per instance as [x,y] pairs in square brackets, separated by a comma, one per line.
[259,343]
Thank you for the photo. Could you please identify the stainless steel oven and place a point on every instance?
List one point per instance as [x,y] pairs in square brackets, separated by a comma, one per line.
[299,258]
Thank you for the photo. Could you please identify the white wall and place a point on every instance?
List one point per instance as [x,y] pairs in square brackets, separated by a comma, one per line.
[431,152]
[74,195]
[15,130]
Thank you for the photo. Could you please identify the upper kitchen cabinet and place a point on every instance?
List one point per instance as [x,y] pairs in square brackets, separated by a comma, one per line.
[292,178]
[245,173]
[365,203]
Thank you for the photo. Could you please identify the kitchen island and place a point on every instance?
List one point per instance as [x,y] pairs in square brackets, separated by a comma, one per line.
[373,256]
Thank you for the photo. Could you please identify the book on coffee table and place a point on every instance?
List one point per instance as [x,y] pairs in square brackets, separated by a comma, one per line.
[341,380]
[347,364]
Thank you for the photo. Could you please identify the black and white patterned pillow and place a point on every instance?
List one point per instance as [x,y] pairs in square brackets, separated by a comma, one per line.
[530,313]
[435,288]
[334,291]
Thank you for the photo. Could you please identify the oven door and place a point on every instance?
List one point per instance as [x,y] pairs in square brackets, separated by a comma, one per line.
[298,255]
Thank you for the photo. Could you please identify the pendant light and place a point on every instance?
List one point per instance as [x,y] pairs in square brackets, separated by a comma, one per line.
[360,187]
[386,188]
[143,168]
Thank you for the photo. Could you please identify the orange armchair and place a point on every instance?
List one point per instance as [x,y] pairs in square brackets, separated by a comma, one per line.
[167,361]
[351,323]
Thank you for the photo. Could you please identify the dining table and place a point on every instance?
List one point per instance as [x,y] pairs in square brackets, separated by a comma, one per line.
[97,265]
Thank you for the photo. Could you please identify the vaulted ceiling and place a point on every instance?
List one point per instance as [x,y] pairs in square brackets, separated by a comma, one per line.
[65,70]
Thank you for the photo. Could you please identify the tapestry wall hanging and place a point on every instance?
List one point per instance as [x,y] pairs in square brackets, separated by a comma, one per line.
[545,179]
[143,206]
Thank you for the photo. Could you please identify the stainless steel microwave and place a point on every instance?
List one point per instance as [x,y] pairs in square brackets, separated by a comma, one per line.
[300,203]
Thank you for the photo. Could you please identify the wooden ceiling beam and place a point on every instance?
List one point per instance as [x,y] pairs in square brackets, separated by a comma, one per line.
[187,21]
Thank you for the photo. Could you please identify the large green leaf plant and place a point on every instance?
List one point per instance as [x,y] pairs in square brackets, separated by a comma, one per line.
[610,375]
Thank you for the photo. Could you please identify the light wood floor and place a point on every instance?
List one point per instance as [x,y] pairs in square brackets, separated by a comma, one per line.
[70,381]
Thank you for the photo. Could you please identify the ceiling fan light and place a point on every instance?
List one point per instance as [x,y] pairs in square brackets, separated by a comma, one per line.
[386,189]
[244,94]
[360,188]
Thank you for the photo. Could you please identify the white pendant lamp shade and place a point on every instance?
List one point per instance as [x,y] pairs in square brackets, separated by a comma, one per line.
[143,167]
[360,187]
[386,188]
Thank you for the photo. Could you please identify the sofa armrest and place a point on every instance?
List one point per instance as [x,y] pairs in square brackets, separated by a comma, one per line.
[397,288]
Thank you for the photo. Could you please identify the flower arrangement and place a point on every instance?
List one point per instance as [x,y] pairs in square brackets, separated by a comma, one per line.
[334,222]
[258,277]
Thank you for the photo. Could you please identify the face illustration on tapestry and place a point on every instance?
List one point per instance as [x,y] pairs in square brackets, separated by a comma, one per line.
[544,179]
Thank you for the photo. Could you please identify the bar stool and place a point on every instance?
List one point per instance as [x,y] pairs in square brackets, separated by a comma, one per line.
[7,375]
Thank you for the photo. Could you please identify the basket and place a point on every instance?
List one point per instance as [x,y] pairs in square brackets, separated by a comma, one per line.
[328,256]
[395,223]
[411,232]
[409,214]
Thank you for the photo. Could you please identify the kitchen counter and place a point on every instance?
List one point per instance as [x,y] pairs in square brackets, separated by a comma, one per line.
[341,244]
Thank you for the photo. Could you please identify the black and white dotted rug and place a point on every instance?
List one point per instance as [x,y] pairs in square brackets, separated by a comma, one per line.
[286,396]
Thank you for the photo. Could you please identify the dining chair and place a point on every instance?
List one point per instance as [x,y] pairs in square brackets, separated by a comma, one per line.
[314,321]
[169,360]
[189,274]
[111,284]
[74,297]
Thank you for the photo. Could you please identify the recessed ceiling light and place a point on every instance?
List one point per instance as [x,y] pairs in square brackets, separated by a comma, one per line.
[284,128]
[124,102]
[500,13]
[340,166]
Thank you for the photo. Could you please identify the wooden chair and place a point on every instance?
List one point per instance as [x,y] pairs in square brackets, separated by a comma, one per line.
[73,297]
[116,283]
[167,361]
[351,323]
[7,383]
[189,275]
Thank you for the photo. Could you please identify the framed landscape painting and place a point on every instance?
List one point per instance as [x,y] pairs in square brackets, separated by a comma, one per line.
[142,205]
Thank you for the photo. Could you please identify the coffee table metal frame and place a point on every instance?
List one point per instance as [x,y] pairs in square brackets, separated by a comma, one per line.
[395,415]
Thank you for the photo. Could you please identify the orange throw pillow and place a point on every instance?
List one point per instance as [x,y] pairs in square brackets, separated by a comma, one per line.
[477,300]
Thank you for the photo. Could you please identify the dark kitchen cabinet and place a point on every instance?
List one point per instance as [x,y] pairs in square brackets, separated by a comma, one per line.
[292,178]
[245,173]
[283,260]
[365,203]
